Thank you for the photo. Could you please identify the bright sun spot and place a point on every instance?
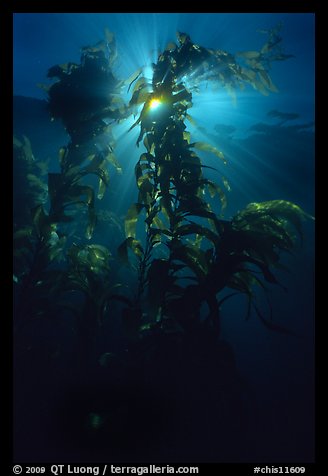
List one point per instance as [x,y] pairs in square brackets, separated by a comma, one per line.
[154,103]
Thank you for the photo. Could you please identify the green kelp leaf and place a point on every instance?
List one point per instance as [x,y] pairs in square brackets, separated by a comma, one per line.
[194,228]
[282,57]
[16,142]
[192,256]
[286,210]
[141,93]
[92,217]
[191,120]
[131,219]
[56,71]
[103,175]
[183,98]
[134,245]
[152,214]
[197,207]
[148,328]
[215,189]
[275,231]
[23,255]
[62,157]
[120,298]
[95,166]
[134,76]
[148,159]
[101,189]
[23,233]
[117,104]
[200,237]
[43,166]
[248,74]
[271,326]
[23,242]
[159,231]
[36,183]
[242,282]
[266,80]
[191,159]
[106,295]
[56,247]
[141,84]
[290,211]
[141,96]
[225,298]
[170,46]
[51,249]
[75,192]
[90,157]
[158,223]
[208,148]
[156,236]
[143,167]
[89,258]
[165,172]
[226,183]
[74,256]
[166,203]
[76,282]
[110,37]
[186,136]
[193,163]
[232,93]
[101,172]
[111,220]
[44,87]
[146,189]
[42,223]
[260,87]
[111,159]
[259,244]
[149,142]
[73,197]
[98,256]
[27,147]
[182,37]
[248,54]
[139,168]
[267,274]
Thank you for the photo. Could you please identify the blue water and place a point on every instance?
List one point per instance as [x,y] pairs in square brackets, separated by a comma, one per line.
[270,161]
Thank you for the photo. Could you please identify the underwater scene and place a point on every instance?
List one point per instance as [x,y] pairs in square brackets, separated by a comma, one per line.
[163,230]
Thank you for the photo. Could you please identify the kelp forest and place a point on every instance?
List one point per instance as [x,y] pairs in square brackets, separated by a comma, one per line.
[168,389]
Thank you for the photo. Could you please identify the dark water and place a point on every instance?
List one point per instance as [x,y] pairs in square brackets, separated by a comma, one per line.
[268,157]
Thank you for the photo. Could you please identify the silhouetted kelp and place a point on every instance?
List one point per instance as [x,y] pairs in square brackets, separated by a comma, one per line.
[189,254]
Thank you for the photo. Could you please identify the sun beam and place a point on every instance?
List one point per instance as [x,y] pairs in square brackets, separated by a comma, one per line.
[154,103]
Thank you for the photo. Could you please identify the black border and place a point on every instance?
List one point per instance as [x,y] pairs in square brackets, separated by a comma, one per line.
[6,68]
